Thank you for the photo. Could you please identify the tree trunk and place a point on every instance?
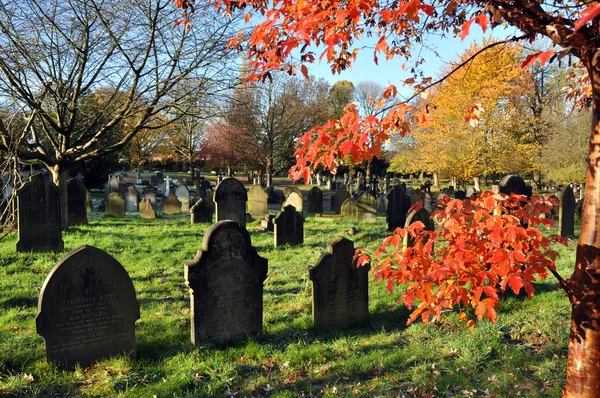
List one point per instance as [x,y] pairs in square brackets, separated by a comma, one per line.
[269,175]
[476,184]
[436,180]
[583,367]
[60,175]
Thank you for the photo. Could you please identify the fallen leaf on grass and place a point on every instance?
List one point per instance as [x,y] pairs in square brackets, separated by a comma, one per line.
[28,377]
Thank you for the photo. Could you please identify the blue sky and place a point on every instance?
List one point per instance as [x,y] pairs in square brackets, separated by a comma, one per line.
[390,72]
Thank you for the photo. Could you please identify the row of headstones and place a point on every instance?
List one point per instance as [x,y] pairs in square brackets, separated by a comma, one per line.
[88,305]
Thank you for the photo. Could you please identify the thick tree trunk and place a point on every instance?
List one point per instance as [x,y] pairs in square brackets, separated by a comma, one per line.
[436,180]
[60,175]
[476,184]
[583,368]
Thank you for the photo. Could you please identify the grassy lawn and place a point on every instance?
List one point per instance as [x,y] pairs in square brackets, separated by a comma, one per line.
[523,354]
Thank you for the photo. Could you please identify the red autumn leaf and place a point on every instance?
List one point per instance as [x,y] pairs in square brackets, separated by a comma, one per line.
[465,29]
[587,15]
[483,21]
[543,57]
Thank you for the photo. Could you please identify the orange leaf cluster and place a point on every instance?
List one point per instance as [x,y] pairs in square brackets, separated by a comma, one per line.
[481,246]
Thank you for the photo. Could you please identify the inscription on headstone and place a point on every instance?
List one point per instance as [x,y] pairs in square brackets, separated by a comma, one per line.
[230,201]
[87,309]
[39,216]
[340,288]
[226,285]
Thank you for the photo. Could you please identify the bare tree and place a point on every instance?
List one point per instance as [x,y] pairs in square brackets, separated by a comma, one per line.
[55,55]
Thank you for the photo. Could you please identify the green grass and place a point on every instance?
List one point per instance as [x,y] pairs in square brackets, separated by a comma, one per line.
[522,354]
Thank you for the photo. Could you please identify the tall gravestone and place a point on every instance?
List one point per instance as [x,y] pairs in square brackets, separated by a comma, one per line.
[149,193]
[202,211]
[338,198]
[230,201]
[226,286]
[340,288]
[398,203]
[39,216]
[114,184]
[295,199]
[367,208]
[77,202]
[87,309]
[183,195]
[114,206]
[315,200]
[566,212]
[258,206]
[381,203]
[132,199]
[288,227]
[421,215]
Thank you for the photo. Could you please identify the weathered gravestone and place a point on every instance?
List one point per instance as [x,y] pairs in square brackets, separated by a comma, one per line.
[39,216]
[202,211]
[460,194]
[496,189]
[89,205]
[289,189]
[315,200]
[421,215]
[149,193]
[146,209]
[289,227]
[258,198]
[381,203]
[294,199]
[114,206]
[512,183]
[230,201]
[171,205]
[470,192]
[77,202]
[183,195]
[566,213]
[398,203]
[555,210]
[132,199]
[340,288]
[226,285]
[114,184]
[349,209]
[367,208]
[87,309]
[338,198]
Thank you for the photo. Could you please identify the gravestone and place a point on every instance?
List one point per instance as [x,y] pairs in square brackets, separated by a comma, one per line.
[289,227]
[267,223]
[338,198]
[428,202]
[89,206]
[205,185]
[566,212]
[398,203]
[146,209]
[381,203]
[470,192]
[114,184]
[149,193]
[39,216]
[294,199]
[315,200]
[77,202]
[183,195]
[114,206]
[289,189]
[159,177]
[226,285]
[340,288]
[258,198]
[202,211]
[555,210]
[460,194]
[422,215]
[230,201]
[512,183]
[349,209]
[132,199]
[367,208]
[200,193]
[87,309]
[153,180]
[171,205]
[496,189]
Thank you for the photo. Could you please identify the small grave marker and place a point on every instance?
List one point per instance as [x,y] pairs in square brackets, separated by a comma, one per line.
[288,226]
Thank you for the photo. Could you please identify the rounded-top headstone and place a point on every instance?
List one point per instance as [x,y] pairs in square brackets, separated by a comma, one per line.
[513,183]
[87,309]
[230,201]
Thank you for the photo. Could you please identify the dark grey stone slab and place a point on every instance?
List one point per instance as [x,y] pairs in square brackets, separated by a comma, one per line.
[566,212]
[315,200]
[87,309]
[77,202]
[288,226]
[230,201]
